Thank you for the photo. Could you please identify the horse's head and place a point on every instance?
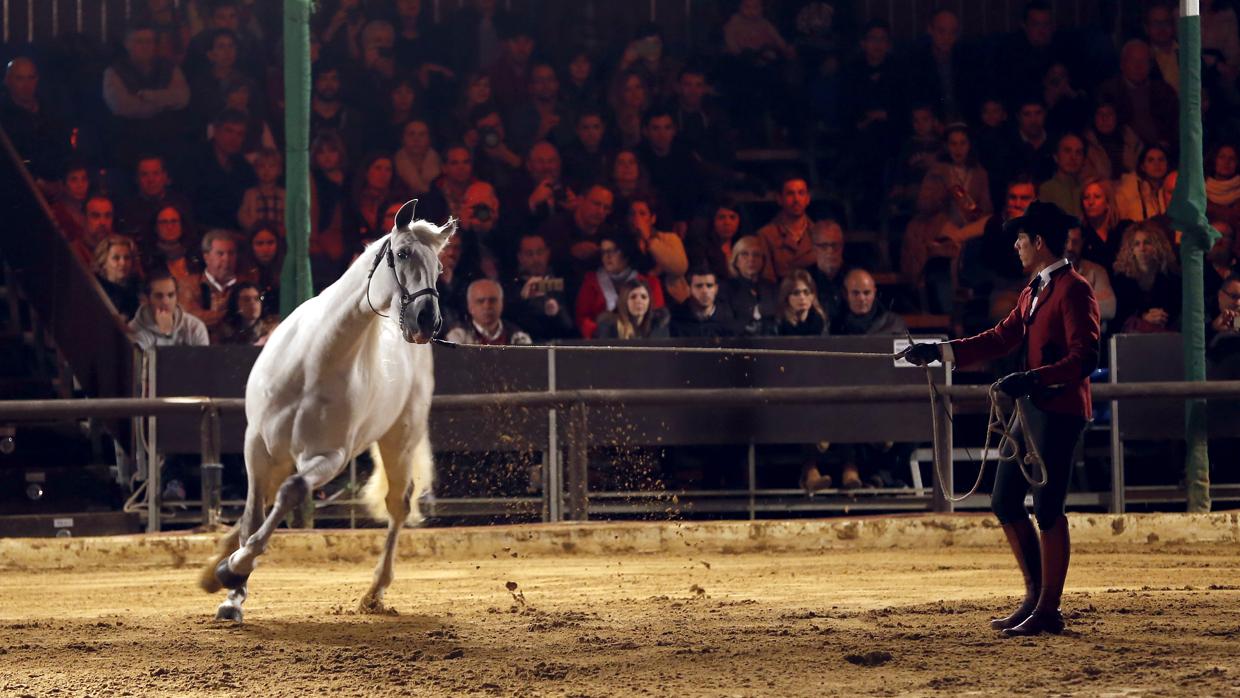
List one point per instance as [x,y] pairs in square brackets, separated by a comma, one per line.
[412,253]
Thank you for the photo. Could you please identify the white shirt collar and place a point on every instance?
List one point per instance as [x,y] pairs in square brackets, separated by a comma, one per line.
[490,337]
[220,287]
[1051,269]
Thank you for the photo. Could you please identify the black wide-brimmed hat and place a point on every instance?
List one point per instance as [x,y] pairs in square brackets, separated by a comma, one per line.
[1043,219]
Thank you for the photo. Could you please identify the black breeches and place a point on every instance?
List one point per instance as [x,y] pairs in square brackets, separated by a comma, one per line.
[1057,440]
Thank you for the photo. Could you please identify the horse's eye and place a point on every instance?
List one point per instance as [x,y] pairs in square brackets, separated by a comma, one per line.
[402,255]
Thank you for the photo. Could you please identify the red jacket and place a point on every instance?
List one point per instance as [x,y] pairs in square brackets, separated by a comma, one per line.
[1061,342]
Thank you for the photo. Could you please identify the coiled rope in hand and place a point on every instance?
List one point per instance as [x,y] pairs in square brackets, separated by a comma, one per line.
[1010,427]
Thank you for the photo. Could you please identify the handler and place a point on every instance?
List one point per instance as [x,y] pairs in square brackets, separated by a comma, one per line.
[1055,326]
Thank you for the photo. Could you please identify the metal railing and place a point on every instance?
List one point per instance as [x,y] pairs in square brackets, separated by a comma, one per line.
[577,403]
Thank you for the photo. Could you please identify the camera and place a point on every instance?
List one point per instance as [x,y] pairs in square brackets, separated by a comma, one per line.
[483,213]
[548,285]
[489,136]
[1235,322]
[559,194]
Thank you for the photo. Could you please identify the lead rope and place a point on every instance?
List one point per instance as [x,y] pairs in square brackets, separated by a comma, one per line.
[1001,423]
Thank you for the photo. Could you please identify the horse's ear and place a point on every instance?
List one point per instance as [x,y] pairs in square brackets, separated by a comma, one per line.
[445,234]
[404,217]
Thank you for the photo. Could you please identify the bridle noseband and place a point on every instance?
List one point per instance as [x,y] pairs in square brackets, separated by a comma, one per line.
[405,296]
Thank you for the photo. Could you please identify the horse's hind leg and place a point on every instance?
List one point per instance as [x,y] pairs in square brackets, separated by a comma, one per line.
[397,456]
[312,472]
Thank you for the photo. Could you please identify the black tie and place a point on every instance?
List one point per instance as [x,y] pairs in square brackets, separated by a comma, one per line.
[1035,286]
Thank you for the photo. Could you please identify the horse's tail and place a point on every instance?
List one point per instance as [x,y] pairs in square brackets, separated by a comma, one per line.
[223,548]
[421,470]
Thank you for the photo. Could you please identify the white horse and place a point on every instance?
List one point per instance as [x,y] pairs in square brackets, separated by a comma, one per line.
[334,378]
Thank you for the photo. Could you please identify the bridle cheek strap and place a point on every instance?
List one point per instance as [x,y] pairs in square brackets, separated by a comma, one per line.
[405,296]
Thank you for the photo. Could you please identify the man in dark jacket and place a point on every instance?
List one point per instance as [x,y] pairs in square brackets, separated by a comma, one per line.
[700,315]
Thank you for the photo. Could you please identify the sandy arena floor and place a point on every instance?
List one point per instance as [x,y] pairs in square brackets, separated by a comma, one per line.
[1145,619]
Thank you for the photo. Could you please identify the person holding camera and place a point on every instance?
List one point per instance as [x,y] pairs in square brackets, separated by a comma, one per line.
[494,160]
[482,242]
[536,298]
[538,192]
[574,235]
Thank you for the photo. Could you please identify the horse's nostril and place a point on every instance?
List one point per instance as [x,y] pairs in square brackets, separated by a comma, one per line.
[426,317]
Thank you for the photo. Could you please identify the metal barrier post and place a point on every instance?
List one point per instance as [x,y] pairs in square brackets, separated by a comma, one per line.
[211,469]
[1117,444]
[155,462]
[553,469]
[578,464]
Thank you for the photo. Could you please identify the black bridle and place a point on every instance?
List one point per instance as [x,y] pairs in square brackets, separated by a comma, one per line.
[405,296]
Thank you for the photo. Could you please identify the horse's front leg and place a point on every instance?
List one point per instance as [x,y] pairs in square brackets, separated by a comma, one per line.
[230,608]
[313,472]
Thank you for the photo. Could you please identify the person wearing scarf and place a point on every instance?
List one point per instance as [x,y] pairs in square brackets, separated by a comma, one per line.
[1223,186]
[600,289]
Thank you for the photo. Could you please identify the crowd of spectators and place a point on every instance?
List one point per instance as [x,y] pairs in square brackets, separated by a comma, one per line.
[596,178]
[599,192]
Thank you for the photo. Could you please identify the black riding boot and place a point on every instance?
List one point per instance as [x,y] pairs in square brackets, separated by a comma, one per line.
[1023,540]
[1056,552]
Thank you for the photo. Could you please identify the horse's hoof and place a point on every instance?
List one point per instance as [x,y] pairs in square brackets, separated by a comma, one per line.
[228,578]
[371,606]
[229,612]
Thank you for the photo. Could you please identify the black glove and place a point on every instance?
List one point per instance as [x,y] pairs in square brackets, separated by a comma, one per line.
[923,354]
[1018,384]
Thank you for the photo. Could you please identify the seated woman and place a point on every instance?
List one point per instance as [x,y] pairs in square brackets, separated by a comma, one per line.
[754,300]
[800,313]
[710,241]
[1111,148]
[600,290]
[1146,193]
[1146,282]
[171,246]
[116,271]
[245,322]
[664,249]
[266,251]
[634,318]
[1101,225]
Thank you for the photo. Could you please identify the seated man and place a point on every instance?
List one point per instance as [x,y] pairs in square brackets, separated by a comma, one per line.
[38,135]
[162,322]
[137,214]
[699,315]
[1225,323]
[486,324]
[861,316]
[220,175]
[99,219]
[206,295]
[147,95]
[787,237]
[864,315]
[829,268]
[536,298]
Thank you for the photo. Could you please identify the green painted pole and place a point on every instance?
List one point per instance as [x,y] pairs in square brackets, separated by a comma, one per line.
[295,284]
[1188,213]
